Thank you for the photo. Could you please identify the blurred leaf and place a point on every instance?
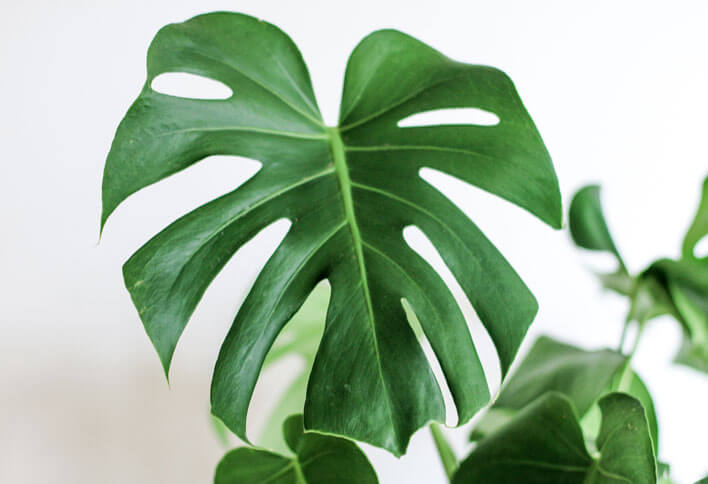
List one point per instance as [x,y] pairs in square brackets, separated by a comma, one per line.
[318,459]
[686,283]
[221,431]
[699,226]
[587,224]
[554,366]
[581,376]
[544,444]
[349,191]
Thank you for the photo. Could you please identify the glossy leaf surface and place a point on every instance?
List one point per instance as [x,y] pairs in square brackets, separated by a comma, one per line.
[544,444]
[349,191]
[318,459]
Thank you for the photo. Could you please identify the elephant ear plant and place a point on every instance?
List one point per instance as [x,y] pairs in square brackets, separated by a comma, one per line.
[348,191]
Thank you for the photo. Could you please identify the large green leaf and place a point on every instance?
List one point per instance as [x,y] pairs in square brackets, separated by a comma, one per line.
[318,459]
[544,444]
[589,230]
[581,376]
[349,192]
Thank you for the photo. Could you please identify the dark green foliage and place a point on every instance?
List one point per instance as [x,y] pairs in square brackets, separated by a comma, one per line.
[349,192]
[318,459]
[544,444]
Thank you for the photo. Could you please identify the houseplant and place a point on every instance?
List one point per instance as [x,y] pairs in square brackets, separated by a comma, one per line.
[348,192]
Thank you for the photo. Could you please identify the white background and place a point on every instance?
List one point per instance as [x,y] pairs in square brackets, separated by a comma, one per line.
[618,91]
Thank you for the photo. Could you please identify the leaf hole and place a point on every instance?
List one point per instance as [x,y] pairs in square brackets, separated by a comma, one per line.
[454,116]
[700,250]
[486,350]
[190,86]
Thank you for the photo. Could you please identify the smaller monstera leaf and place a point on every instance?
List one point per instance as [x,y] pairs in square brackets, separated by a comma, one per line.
[349,191]
[581,376]
[589,230]
[317,459]
[544,444]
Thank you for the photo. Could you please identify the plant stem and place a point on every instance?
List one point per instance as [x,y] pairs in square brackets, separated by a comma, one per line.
[625,330]
[447,456]
[626,379]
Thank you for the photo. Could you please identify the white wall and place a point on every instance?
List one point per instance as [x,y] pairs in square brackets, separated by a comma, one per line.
[618,91]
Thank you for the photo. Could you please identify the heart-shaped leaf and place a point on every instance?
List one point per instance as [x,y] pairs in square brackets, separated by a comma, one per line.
[581,376]
[349,191]
[544,444]
[318,459]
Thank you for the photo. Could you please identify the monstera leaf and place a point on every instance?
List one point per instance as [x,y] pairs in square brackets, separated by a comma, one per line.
[318,459]
[582,376]
[544,444]
[348,191]
[678,288]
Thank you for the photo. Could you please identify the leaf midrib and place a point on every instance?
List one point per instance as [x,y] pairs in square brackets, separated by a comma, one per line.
[342,172]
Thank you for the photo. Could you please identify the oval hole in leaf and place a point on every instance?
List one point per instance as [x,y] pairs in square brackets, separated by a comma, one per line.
[191,86]
[701,248]
[441,117]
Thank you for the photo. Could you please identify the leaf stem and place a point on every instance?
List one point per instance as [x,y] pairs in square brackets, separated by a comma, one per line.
[447,456]
[625,380]
[625,330]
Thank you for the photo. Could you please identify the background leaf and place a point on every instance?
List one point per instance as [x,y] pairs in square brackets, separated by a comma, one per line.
[675,287]
[581,376]
[685,283]
[552,366]
[587,223]
[349,192]
[544,444]
[699,226]
[318,459]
